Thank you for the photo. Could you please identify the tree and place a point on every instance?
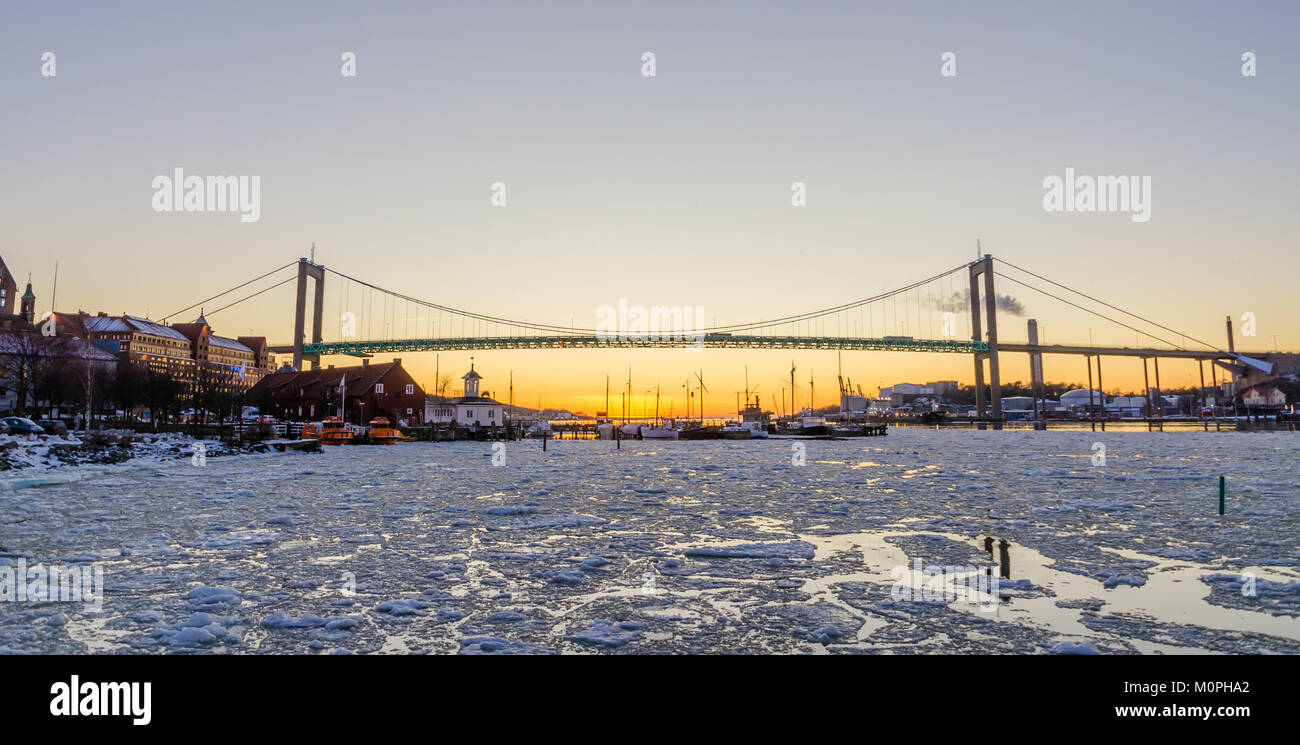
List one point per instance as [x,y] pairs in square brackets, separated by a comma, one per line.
[28,358]
[128,387]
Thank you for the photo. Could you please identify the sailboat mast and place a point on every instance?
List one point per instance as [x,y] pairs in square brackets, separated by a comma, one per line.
[791,387]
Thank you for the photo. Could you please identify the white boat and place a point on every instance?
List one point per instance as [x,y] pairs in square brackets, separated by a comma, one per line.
[756,430]
[754,419]
[662,429]
[665,431]
[735,431]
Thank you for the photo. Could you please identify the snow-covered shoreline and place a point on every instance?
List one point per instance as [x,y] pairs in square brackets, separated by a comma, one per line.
[33,460]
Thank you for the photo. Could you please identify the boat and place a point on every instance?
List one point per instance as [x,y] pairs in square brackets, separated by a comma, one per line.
[736,431]
[663,432]
[382,432]
[807,424]
[329,431]
[662,429]
[753,418]
[700,432]
[666,429]
[858,429]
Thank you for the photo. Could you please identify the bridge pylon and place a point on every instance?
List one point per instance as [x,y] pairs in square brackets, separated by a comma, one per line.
[984,267]
[308,270]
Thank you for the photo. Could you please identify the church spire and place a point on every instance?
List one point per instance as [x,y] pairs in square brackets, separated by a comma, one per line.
[28,310]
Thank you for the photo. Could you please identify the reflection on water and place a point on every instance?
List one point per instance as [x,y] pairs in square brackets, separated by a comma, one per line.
[1004,555]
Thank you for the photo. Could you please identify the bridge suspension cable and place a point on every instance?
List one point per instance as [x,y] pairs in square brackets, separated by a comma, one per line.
[1101,302]
[250,297]
[732,328]
[232,289]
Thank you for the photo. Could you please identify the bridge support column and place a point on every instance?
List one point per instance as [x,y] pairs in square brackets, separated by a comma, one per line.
[1036,378]
[985,267]
[308,270]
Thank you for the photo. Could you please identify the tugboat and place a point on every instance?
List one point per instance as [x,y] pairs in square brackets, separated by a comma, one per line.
[329,431]
[382,432]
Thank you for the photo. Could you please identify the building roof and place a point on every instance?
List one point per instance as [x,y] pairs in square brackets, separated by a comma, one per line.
[357,380]
[255,343]
[228,343]
[131,324]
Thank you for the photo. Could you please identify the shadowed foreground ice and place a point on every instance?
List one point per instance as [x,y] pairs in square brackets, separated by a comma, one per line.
[707,547]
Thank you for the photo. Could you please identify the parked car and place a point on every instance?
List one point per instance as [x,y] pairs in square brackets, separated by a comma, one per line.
[53,426]
[4,428]
[21,426]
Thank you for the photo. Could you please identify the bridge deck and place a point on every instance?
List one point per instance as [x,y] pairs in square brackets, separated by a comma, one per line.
[711,341]
[734,341]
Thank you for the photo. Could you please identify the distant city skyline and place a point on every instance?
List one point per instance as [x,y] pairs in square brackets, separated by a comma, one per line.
[672,189]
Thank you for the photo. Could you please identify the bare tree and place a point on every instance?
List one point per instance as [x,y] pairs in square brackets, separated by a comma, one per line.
[27,359]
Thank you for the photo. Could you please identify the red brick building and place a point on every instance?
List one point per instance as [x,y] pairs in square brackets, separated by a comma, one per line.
[365,391]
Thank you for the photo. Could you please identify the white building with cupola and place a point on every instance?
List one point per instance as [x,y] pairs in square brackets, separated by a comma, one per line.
[473,410]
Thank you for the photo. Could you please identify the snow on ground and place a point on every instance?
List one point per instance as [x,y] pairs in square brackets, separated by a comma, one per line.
[713,547]
[37,460]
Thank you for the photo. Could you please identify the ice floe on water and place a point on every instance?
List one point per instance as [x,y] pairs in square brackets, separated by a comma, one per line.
[675,547]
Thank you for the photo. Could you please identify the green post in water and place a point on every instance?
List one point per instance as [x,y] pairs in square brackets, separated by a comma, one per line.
[1223,490]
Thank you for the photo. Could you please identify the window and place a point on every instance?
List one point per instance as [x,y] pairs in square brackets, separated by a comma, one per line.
[379,389]
[410,388]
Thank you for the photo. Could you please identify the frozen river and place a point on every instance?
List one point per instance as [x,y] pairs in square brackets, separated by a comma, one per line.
[666,547]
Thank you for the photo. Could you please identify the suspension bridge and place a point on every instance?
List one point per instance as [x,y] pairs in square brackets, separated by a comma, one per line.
[922,316]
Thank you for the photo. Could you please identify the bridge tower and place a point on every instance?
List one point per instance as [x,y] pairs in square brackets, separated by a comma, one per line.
[308,270]
[984,267]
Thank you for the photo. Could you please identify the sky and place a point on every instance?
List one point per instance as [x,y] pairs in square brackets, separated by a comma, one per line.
[673,189]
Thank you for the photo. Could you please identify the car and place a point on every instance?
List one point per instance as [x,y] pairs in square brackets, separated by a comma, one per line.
[23,426]
[4,428]
[53,426]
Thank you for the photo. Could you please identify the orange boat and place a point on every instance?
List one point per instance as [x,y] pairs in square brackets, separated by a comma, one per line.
[382,432]
[330,431]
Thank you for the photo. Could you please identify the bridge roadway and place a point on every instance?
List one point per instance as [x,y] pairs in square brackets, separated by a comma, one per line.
[711,341]
[737,341]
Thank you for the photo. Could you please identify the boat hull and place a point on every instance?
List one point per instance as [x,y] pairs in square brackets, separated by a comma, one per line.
[650,433]
[701,433]
[816,430]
